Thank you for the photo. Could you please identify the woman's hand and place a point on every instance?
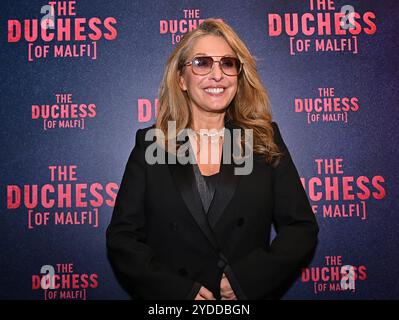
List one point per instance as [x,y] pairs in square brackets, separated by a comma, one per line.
[226,292]
[204,294]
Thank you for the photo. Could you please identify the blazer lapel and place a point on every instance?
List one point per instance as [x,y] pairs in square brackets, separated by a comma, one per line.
[184,178]
[226,185]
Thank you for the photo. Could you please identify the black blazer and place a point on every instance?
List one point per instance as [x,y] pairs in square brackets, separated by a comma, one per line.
[162,245]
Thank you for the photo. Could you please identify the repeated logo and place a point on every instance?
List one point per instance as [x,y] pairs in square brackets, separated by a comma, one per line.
[147,110]
[61,33]
[176,28]
[327,106]
[335,194]
[62,282]
[326,27]
[64,200]
[334,276]
[64,113]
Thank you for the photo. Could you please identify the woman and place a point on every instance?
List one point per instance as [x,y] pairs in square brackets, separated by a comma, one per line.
[199,230]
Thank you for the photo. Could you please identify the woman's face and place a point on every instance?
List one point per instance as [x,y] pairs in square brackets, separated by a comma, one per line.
[199,87]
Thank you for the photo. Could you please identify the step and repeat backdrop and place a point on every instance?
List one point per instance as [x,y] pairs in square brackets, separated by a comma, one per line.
[78,78]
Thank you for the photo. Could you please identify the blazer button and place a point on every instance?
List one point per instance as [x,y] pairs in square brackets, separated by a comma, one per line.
[173,226]
[221,264]
[183,272]
[240,221]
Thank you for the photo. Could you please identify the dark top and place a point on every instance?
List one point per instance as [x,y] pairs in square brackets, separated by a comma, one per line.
[206,186]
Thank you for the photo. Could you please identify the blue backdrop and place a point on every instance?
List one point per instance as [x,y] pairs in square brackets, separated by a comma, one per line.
[60,172]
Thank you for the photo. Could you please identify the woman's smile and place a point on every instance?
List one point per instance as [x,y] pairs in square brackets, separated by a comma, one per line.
[215,91]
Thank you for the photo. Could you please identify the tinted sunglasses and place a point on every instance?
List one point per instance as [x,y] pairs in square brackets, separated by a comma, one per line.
[203,65]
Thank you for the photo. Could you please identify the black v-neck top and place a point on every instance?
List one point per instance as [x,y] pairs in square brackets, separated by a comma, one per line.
[206,186]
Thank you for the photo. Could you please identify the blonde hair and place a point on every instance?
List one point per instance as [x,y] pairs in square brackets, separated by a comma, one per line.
[249,109]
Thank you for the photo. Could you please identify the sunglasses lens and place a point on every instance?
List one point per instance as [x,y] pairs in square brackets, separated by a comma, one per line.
[230,65]
[202,65]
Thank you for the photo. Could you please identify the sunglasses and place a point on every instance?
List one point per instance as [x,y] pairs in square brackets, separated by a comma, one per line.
[202,66]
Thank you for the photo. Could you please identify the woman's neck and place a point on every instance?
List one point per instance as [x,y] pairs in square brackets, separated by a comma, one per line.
[207,120]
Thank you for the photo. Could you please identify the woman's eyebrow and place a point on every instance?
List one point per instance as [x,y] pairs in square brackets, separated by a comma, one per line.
[209,55]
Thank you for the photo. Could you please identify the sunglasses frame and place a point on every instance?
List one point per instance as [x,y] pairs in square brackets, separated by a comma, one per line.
[191,63]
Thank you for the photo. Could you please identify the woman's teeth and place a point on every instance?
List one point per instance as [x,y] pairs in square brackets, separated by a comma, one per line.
[214,90]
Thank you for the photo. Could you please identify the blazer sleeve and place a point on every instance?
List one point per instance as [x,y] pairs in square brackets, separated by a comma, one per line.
[133,261]
[263,272]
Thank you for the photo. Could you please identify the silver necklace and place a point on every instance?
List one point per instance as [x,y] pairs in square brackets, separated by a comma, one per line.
[206,133]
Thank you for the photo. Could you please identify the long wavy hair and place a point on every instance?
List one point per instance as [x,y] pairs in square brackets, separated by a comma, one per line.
[249,109]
